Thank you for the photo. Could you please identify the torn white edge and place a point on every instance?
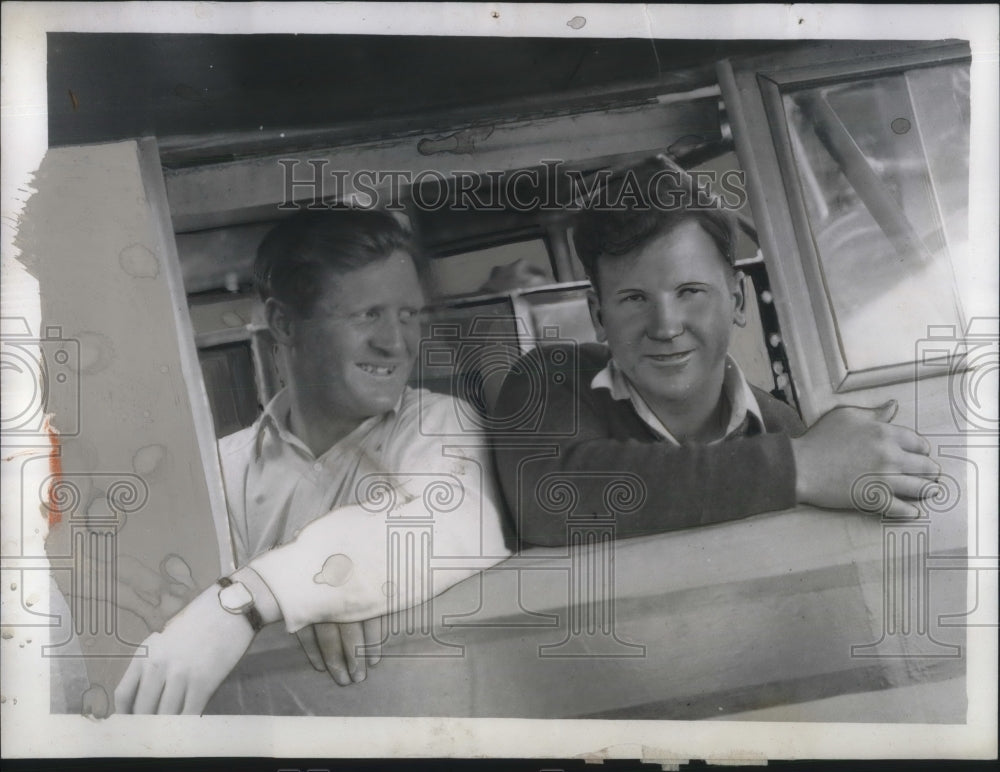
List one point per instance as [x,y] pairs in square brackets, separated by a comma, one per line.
[29,730]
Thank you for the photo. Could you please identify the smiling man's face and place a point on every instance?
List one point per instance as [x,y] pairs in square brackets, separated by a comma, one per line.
[355,352]
[666,311]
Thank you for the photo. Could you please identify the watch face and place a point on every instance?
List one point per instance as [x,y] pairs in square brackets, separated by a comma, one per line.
[235,598]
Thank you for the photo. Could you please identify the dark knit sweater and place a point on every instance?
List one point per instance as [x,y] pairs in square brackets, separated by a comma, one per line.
[574,452]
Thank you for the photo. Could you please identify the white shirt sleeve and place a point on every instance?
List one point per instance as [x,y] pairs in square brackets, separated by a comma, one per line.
[234,459]
[379,556]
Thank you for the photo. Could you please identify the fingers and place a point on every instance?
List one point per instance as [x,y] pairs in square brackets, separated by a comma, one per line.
[883,413]
[342,649]
[920,466]
[147,696]
[143,691]
[307,638]
[172,698]
[909,454]
[195,701]
[909,440]
[902,510]
[373,640]
[886,411]
[328,637]
[903,496]
[915,488]
[126,689]
[353,638]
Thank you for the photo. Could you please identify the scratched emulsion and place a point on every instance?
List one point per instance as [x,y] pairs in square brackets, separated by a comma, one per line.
[119,416]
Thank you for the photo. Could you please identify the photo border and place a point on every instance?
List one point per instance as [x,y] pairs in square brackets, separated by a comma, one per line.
[28,727]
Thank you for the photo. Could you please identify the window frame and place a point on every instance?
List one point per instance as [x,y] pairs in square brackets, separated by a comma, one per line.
[753,92]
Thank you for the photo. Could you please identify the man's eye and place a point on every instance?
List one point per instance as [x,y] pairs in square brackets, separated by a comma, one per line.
[691,291]
[407,315]
[635,297]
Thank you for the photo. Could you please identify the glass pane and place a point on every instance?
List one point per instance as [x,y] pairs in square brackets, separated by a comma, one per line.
[523,263]
[229,383]
[883,169]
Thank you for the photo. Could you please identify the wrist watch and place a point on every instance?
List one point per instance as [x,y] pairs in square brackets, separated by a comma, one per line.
[235,598]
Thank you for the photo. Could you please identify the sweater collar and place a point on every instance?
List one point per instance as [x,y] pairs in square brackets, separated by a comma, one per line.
[735,390]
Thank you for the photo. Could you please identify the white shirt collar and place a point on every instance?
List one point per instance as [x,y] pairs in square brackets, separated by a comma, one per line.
[277,413]
[734,387]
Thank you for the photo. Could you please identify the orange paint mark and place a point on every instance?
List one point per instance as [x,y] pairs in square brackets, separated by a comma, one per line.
[55,470]
[27,452]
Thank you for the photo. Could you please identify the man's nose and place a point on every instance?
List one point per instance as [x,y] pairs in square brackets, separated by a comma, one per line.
[666,318]
[390,335]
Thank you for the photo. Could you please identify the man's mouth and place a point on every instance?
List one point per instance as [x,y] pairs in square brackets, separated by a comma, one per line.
[382,371]
[671,359]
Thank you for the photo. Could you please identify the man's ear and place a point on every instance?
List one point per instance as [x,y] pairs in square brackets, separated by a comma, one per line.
[279,321]
[739,299]
[594,306]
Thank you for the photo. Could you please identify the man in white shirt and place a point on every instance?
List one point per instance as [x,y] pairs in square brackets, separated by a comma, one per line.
[342,452]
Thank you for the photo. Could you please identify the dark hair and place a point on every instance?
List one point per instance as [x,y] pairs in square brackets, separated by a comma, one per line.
[295,255]
[641,203]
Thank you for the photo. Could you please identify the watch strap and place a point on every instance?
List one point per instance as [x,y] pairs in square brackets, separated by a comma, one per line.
[251,613]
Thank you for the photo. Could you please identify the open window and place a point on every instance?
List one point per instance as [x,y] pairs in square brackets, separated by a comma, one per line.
[500,255]
[858,172]
[853,155]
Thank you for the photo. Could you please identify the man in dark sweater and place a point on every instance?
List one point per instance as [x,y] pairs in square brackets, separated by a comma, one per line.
[658,427]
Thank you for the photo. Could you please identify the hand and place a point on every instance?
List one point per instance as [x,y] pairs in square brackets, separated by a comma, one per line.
[185,664]
[335,648]
[849,442]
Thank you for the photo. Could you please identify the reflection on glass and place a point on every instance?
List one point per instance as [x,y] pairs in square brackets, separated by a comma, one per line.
[883,169]
[520,264]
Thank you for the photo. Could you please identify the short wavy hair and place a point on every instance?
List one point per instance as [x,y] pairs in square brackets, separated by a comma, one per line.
[641,203]
[297,253]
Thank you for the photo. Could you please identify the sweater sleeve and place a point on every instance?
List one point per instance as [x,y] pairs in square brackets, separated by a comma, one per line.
[574,468]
